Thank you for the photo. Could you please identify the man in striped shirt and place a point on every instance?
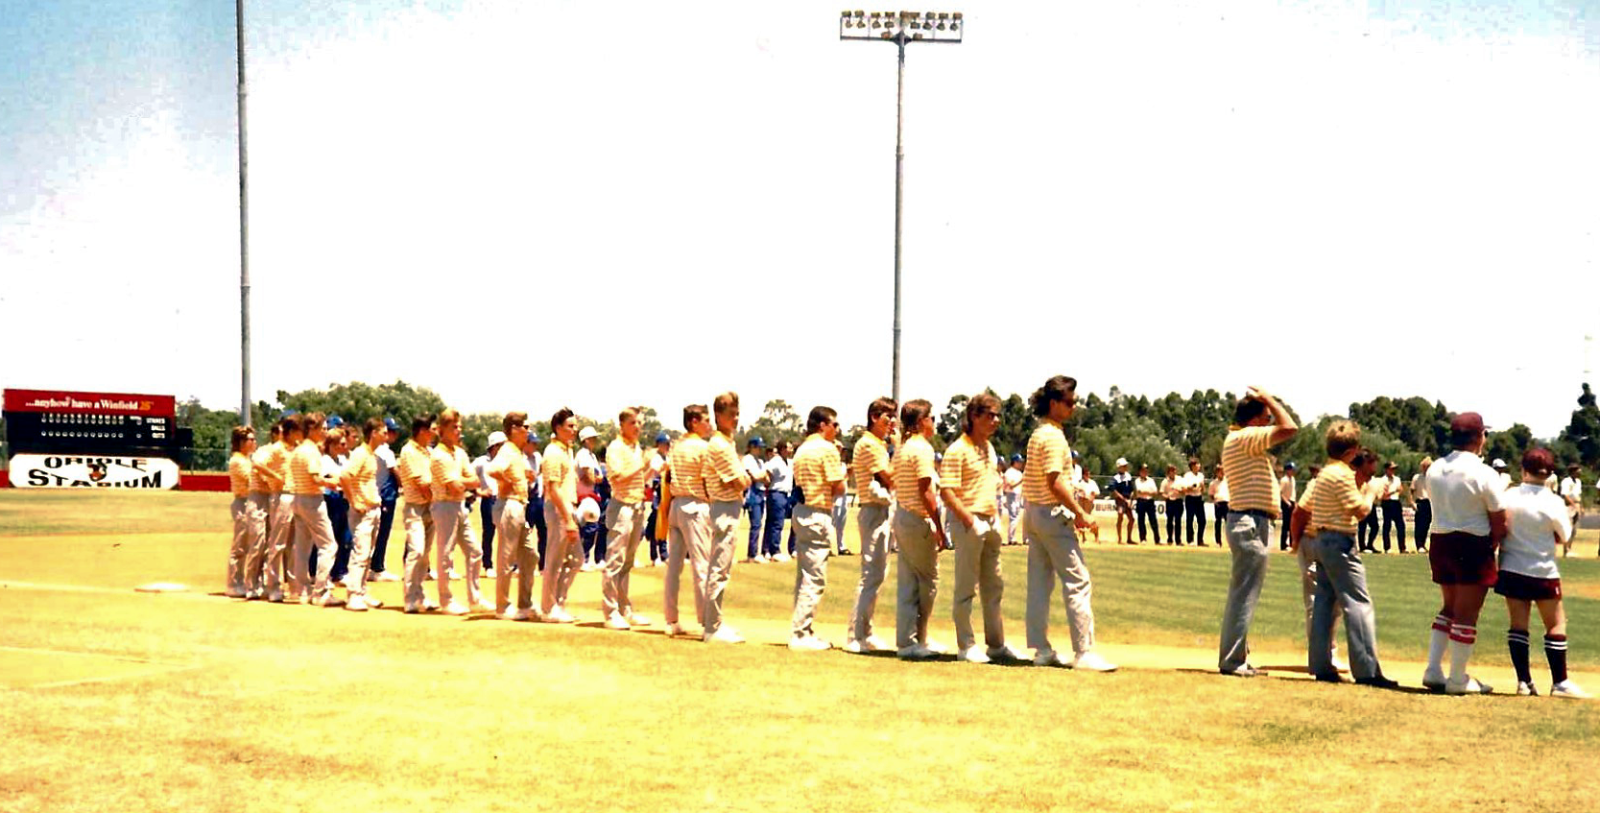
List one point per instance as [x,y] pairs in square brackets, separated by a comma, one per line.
[819,473]
[360,483]
[688,518]
[918,532]
[625,517]
[280,525]
[968,480]
[1335,503]
[312,527]
[243,441]
[564,551]
[264,488]
[1259,423]
[870,463]
[1054,514]
[414,469]
[453,479]
[518,542]
[726,481]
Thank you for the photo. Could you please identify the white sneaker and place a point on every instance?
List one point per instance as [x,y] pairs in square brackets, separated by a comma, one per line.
[1525,689]
[851,645]
[1471,686]
[413,609]
[724,635]
[236,592]
[874,644]
[1006,652]
[936,648]
[484,606]
[561,616]
[514,615]
[972,654]
[373,602]
[617,622]
[1046,657]
[430,606]
[587,566]
[327,600]
[452,573]
[1433,681]
[276,597]
[356,604]
[1567,688]
[782,557]
[456,608]
[385,576]
[1092,662]
[488,573]
[761,559]
[1338,665]
[637,620]
[676,631]
[915,652]
[433,575]
[808,643]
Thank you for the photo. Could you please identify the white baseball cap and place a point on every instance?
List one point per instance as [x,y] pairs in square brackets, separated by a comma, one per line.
[1122,461]
[586,433]
[496,438]
[1499,464]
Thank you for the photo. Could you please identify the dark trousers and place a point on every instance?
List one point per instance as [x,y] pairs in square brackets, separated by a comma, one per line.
[755,505]
[339,517]
[1424,523]
[1174,522]
[1143,509]
[1393,516]
[658,548]
[385,522]
[1194,511]
[1285,510]
[1220,514]
[486,514]
[1367,532]
[777,514]
[535,515]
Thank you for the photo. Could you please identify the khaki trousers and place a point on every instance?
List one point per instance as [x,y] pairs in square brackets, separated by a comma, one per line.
[624,528]
[688,529]
[813,541]
[515,544]
[312,528]
[280,532]
[718,560]
[363,534]
[873,522]
[1308,589]
[562,559]
[419,528]
[1053,554]
[977,575]
[452,526]
[916,577]
[243,543]
[261,505]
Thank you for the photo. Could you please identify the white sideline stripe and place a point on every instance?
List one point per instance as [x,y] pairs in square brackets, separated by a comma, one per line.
[79,588]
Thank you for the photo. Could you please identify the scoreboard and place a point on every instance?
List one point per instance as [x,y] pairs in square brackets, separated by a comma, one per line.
[54,422]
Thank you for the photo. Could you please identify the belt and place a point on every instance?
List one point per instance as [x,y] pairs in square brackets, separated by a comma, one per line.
[1340,531]
[1252,512]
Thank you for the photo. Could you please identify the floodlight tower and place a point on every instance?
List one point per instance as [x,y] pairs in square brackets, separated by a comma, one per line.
[900,28]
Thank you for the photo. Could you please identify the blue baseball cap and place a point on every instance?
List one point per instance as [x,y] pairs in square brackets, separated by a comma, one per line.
[334,421]
[533,437]
[661,437]
[1289,466]
[755,440]
[288,412]
[1016,458]
[391,425]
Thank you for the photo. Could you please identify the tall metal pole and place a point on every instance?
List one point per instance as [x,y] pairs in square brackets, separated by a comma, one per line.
[244,232]
[899,190]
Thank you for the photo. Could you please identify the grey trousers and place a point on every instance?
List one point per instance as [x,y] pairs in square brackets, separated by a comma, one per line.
[977,576]
[563,557]
[688,536]
[813,541]
[243,514]
[1248,535]
[1342,578]
[1308,585]
[312,527]
[419,529]
[1053,554]
[715,567]
[363,532]
[280,542]
[873,522]
[452,526]
[624,528]
[515,544]
[916,577]
[261,505]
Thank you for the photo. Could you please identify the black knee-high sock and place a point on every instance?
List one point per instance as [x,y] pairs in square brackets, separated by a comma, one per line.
[1517,640]
[1555,651]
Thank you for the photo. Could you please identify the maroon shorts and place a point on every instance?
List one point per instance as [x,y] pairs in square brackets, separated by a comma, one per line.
[1462,558]
[1527,588]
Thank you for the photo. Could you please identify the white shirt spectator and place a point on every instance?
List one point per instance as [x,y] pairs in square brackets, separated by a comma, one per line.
[489,483]
[1419,487]
[780,475]
[1090,490]
[1505,480]
[1286,488]
[1465,492]
[331,467]
[585,459]
[1388,487]
[756,469]
[1538,524]
[535,482]
[1194,483]
[1219,490]
[1012,479]
[657,463]
[386,463]
[1572,487]
[1145,488]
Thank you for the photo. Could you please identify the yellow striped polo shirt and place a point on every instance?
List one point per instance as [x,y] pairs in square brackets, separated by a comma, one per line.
[1333,497]
[817,467]
[452,470]
[239,467]
[1048,453]
[870,457]
[970,473]
[626,469]
[512,464]
[305,470]
[558,467]
[415,470]
[912,464]
[1252,486]
[269,468]
[722,464]
[361,477]
[687,462]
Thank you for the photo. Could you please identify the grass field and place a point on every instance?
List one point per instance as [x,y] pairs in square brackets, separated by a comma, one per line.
[119,700]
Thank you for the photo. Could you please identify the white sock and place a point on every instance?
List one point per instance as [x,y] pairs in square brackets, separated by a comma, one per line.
[1438,638]
[1462,640]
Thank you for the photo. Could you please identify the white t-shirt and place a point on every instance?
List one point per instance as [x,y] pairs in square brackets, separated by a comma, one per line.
[1089,489]
[780,475]
[1145,488]
[1219,490]
[1388,487]
[386,463]
[1538,524]
[754,468]
[1194,483]
[490,484]
[1572,487]
[1465,491]
[535,482]
[1286,488]
[1013,479]
[585,459]
[1419,487]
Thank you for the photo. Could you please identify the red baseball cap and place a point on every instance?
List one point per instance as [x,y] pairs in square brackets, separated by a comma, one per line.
[1467,422]
[1538,460]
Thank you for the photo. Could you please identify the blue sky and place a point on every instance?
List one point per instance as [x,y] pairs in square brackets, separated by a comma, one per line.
[584,169]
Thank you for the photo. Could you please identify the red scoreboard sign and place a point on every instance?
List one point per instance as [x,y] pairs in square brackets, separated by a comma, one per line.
[97,403]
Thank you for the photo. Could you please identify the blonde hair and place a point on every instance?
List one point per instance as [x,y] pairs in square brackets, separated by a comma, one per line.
[1342,437]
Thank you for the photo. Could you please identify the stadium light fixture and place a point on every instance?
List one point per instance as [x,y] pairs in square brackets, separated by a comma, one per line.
[901,28]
